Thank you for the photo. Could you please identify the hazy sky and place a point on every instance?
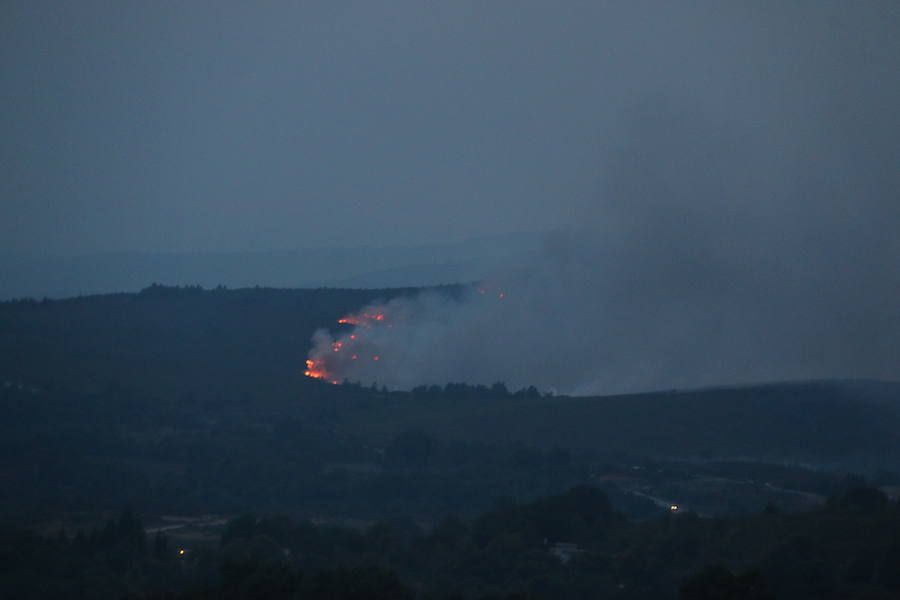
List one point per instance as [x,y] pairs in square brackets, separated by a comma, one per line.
[214,126]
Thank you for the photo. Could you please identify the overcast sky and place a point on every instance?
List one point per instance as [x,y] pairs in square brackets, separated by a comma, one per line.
[232,126]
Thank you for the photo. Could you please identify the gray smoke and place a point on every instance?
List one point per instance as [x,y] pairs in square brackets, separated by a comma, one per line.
[744,230]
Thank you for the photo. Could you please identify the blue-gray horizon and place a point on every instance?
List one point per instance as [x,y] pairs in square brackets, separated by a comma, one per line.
[721,177]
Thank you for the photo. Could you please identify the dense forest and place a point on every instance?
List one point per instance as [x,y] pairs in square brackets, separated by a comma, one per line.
[189,406]
[569,545]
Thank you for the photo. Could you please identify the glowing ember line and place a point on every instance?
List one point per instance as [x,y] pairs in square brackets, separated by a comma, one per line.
[349,353]
[362,319]
[332,366]
[315,369]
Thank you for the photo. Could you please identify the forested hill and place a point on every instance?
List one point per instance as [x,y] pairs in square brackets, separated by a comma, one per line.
[202,350]
[196,399]
[172,339]
[823,424]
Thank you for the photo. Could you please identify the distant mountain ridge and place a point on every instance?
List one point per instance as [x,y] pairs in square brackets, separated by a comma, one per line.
[361,266]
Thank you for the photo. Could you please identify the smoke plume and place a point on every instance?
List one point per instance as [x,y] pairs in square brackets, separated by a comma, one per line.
[744,229]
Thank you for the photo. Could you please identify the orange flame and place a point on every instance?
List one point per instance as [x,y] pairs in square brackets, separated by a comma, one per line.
[327,365]
[315,369]
[362,319]
[332,366]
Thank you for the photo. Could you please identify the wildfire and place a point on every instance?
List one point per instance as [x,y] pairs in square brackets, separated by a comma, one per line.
[326,365]
[315,369]
[362,319]
[356,351]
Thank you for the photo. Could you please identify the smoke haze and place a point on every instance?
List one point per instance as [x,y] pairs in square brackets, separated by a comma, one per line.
[721,176]
[744,230]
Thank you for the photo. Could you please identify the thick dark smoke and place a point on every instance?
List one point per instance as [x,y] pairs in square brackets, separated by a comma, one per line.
[742,232]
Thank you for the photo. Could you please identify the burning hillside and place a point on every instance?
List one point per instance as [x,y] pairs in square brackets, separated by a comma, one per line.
[703,262]
[328,360]
[384,343]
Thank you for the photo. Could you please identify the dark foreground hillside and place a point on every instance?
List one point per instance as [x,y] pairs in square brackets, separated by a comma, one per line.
[189,407]
[183,401]
[566,546]
[825,424]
